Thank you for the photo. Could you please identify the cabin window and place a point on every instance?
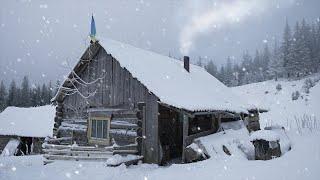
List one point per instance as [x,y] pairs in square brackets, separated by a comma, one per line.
[98,131]
[99,128]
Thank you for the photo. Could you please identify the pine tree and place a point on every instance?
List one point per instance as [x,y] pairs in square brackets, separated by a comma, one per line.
[13,94]
[246,68]
[265,59]
[222,74]
[306,48]
[3,95]
[275,65]
[228,79]
[286,46]
[211,68]
[199,62]
[299,56]
[44,95]
[25,92]
[50,93]
[258,68]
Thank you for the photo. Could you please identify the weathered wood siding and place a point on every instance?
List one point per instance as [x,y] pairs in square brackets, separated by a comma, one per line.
[115,88]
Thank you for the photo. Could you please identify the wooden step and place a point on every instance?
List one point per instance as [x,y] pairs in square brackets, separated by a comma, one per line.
[75,148]
[77,153]
[75,158]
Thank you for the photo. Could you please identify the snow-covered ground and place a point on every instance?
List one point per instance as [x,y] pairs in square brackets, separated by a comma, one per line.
[283,110]
[302,162]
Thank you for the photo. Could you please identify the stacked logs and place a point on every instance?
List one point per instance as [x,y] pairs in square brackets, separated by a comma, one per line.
[58,117]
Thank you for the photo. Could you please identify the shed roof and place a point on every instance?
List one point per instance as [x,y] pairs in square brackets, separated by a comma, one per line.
[29,122]
[166,78]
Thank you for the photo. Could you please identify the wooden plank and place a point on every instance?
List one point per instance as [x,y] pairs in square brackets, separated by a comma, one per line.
[59,139]
[71,152]
[75,158]
[125,151]
[75,148]
[184,135]
[151,153]
[123,125]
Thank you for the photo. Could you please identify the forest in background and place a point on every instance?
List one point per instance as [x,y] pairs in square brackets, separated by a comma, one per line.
[26,95]
[296,55]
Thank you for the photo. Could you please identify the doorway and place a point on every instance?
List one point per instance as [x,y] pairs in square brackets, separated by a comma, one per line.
[170,134]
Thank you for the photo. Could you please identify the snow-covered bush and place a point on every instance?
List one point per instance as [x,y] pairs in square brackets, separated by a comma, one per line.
[308,83]
[295,95]
[278,87]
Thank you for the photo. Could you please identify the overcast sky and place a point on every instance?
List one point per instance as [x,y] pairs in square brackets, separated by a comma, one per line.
[43,39]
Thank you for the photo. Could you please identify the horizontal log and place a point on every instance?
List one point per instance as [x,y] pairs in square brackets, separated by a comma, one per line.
[58,139]
[125,152]
[122,125]
[126,147]
[75,148]
[129,120]
[77,153]
[75,158]
[123,133]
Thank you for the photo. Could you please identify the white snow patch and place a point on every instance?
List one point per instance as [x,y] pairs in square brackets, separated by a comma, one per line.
[31,122]
[10,148]
[267,135]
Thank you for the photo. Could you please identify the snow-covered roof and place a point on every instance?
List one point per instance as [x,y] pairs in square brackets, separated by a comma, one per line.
[267,135]
[31,122]
[171,83]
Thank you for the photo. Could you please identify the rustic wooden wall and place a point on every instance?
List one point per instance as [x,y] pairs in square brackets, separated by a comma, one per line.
[115,88]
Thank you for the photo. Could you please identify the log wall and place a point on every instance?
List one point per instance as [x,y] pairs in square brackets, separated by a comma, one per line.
[114,86]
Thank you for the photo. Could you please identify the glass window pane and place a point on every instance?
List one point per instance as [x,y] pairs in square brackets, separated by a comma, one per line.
[99,129]
[105,129]
[93,128]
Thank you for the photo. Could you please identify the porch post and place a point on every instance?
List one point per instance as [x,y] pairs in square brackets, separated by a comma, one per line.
[184,134]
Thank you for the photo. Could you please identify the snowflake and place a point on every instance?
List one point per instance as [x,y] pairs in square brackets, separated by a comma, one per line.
[13,168]
[68,175]
[43,6]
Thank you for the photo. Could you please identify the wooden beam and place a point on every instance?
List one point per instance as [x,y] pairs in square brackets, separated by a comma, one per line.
[184,134]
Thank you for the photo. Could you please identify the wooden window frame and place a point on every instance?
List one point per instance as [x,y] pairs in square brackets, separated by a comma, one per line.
[98,141]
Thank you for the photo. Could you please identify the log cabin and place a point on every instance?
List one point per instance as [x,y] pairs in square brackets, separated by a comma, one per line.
[119,95]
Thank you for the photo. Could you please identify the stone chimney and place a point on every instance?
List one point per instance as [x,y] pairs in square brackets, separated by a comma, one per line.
[186,63]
